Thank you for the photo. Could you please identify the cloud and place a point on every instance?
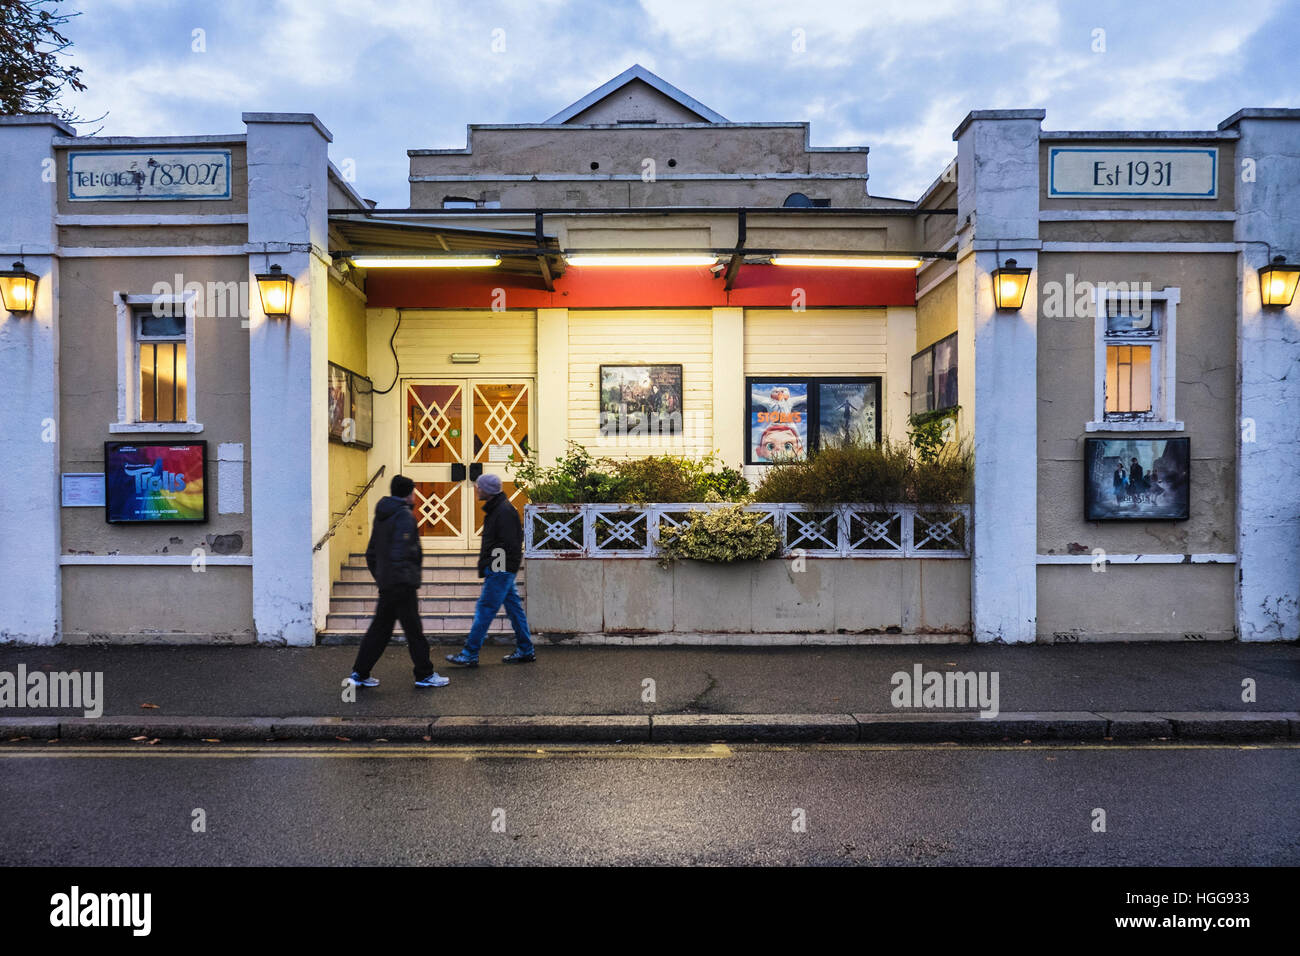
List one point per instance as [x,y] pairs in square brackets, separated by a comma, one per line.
[895,75]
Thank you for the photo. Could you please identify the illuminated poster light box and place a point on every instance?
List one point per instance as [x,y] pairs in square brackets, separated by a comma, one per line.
[155,483]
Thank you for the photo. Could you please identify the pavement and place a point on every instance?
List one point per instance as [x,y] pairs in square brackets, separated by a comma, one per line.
[1171,691]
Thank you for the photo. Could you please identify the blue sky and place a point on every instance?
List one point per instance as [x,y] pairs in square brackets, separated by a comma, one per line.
[388,75]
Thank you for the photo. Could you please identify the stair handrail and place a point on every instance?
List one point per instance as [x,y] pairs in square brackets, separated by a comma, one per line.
[344,517]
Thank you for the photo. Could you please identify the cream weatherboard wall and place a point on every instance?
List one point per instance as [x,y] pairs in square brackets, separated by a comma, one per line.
[642,337]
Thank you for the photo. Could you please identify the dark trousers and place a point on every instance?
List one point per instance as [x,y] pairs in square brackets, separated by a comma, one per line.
[397,604]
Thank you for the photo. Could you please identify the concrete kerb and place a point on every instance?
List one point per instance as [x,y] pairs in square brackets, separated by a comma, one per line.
[893,727]
[789,728]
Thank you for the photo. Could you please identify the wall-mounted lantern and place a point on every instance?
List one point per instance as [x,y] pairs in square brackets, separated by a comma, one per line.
[1277,283]
[18,289]
[1009,285]
[276,290]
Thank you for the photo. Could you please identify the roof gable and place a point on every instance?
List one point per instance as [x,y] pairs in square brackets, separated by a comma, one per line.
[638,96]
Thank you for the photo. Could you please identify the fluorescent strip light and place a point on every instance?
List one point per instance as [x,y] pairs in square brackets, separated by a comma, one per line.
[645,260]
[424,262]
[846,262]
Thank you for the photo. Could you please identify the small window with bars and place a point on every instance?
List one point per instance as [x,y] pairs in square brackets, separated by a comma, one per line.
[160,351]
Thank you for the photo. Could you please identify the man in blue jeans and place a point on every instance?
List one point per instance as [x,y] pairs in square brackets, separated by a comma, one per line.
[499,558]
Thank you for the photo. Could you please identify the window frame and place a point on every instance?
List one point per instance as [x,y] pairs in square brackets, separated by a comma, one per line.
[1163,366]
[128,364]
[814,405]
[932,392]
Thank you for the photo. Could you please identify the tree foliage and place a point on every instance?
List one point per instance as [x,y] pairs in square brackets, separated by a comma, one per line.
[33,50]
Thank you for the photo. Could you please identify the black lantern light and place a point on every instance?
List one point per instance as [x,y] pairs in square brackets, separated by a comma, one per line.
[1009,285]
[18,289]
[1277,282]
[276,290]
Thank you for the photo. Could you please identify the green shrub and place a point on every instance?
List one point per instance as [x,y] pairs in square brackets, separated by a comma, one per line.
[886,473]
[577,478]
[573,479]
[949,479]
[722,535]
[929,432]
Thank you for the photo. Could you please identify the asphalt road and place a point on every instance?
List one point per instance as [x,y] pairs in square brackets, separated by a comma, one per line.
[347,804]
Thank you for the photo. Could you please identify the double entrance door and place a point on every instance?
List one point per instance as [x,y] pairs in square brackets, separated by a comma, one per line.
[453,431]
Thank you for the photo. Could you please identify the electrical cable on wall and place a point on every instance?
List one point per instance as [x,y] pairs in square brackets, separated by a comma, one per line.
[397,364]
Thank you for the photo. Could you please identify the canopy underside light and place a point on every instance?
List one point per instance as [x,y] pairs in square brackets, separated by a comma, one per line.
[425,262]
[848,262]
[642,260]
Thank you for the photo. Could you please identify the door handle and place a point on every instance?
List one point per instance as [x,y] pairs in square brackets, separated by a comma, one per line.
[475,469]
[457,472]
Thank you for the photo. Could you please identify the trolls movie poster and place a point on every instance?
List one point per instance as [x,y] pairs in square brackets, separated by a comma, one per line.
[155,483]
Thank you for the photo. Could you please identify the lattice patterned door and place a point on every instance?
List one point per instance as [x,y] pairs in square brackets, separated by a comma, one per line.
[435,438]
[502,413]
[453,430]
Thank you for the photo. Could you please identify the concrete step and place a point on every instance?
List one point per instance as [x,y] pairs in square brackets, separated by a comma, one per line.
[428,605]
[459,623]
[352,635]
[355,575]
[432,559]
[440,590]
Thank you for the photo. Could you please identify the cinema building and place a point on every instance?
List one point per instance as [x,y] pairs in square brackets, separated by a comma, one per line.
[216,353]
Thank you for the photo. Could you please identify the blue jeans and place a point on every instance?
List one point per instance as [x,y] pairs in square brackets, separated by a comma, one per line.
[498,589]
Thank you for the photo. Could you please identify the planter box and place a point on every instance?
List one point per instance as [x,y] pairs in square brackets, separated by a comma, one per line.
[816,596]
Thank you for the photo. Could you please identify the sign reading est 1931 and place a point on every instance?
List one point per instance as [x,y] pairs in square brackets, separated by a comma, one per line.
[1168,172]
[149,174]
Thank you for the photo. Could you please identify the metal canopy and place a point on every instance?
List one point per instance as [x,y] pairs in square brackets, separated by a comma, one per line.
[519,250]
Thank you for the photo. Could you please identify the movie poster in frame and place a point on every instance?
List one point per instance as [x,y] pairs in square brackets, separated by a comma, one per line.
[641,400]
[350,407]
[155,482]
[1137,479]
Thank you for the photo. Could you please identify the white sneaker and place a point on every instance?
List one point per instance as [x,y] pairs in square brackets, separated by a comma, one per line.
[433,680]
[356,681]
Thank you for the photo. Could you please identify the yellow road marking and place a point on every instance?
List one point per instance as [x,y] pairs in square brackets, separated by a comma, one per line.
[377,751]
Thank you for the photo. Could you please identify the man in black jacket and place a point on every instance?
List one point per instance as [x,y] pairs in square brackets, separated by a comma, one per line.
[499,558]
[394,557]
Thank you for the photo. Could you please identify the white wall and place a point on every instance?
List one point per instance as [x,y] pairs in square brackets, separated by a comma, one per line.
[1268,360]
[29,402]
[287,215]
[997,207]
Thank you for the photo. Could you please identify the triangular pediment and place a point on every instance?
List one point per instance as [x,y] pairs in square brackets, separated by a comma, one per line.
[636,96]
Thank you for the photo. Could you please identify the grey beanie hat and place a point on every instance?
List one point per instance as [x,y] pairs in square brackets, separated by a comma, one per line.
[488,484]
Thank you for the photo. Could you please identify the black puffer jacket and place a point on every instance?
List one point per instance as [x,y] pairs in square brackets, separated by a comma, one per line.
[394,554]
[502,531]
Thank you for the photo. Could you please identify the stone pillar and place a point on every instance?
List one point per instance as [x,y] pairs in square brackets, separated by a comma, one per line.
[730,429]
[551,402]
[288,224]
[1268,378]
[997,218]
[29,367]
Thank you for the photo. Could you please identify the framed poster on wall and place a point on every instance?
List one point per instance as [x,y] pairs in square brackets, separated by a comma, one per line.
[155,483]
[351,407]
[641,400]
[1137,479]
[788,418]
